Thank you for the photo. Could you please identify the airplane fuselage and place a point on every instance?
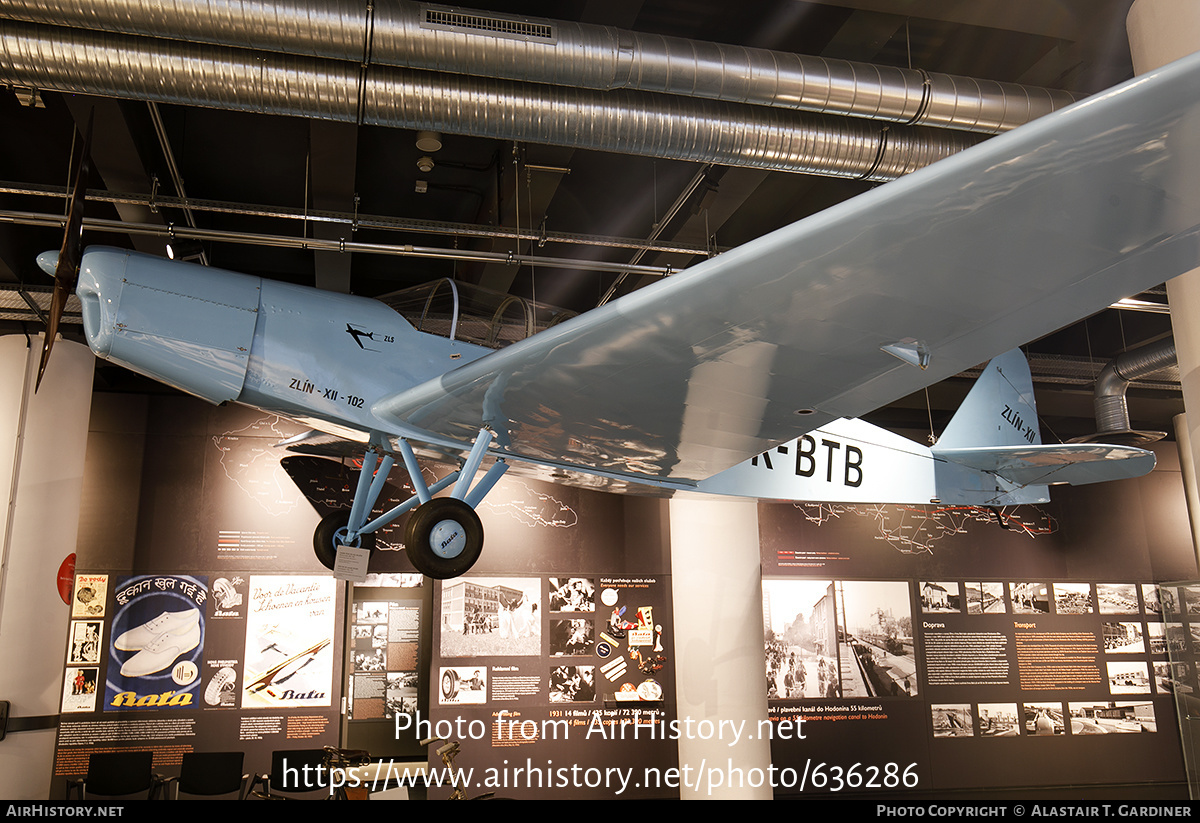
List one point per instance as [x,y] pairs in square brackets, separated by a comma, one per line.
[315,356]
[333,362]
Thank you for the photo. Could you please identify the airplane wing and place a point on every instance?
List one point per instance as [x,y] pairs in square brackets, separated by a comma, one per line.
[972,256]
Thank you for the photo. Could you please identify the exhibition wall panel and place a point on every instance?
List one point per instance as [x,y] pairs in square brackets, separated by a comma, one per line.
[941,647]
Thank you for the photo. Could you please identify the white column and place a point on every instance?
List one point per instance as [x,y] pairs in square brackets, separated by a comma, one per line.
[1161,31]
[1187,469]
[43,437]
[716,579]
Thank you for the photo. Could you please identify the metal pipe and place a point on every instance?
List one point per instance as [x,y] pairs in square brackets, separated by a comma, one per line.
[627,122]
[563,53]
[362,221]
[1112,412]
[283,241]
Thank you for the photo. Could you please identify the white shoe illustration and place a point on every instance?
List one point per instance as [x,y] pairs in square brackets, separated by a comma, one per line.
[161,652]
[165,623]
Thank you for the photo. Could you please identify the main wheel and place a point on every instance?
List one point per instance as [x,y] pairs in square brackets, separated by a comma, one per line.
[444,538]
[331,533]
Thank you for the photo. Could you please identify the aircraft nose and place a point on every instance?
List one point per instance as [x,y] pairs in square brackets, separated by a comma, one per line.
[48,262]
[99,291]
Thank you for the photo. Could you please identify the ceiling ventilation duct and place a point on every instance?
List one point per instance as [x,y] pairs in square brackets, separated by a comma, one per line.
[1112,411]
[562,53]
[627,122]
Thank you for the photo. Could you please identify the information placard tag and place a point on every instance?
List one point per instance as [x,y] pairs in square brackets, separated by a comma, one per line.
[351,564]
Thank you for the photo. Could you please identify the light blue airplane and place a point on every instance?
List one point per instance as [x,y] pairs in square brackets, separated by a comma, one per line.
[739,376]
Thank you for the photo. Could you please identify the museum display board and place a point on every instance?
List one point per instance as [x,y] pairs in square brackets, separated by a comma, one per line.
[915,647]
[202,622]
[554,658]
[944,647]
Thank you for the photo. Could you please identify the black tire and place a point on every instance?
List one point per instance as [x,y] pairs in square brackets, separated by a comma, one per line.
[457,543]
[325,538]
[449,684]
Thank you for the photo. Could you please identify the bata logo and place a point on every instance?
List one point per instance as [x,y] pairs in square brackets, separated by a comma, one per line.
[449,540]
[164,699]
[291,695]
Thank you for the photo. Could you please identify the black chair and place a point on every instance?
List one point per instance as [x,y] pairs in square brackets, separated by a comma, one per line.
[293,771]
[113,774]
[210,773]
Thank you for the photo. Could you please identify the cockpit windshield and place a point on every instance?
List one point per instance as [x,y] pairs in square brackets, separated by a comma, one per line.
[461,311]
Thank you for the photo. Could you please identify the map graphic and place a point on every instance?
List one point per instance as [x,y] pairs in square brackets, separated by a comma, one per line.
[535,508]
[915,529]
[252,462]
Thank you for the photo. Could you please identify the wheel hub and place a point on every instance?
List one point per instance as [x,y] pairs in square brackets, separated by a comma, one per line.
[339,538]
[448,538]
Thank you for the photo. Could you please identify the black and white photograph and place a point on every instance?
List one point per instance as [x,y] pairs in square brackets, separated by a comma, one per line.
[952,720]
[1174,678]
[876,653]
[462,685]
[572,684]
[801,642]
[1043,719]
[85,642]
[401,693]
[1128,677]
[491,617]
[394,580]
[379,636]
[1123,638]
[1194,636]
[370,611]
[940,597]
[1029,598]
[371,660]
[571,638]
[1073,598]
[1112,717]
[1162,600]
[572,594]
[1156,637]
[1190,599]
[985,598]
[1117,598]
[999,720]
[1177,637]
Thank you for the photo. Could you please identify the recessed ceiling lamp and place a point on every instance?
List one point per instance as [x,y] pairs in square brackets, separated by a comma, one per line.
[429,141]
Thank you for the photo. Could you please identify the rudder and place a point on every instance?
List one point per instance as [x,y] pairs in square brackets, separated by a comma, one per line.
[998,411]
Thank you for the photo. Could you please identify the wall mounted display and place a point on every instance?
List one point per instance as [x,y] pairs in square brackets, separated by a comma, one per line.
[920,634]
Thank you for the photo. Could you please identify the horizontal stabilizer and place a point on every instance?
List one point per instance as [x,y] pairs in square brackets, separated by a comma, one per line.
[1076,464]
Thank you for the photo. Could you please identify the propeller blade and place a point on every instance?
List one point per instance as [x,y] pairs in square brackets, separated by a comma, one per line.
[66,273]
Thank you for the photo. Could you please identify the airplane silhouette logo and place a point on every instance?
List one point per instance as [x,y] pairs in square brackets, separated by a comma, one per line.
[358,334]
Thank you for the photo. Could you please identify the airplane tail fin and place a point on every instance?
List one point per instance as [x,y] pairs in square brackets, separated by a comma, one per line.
[998,411]
[991,453]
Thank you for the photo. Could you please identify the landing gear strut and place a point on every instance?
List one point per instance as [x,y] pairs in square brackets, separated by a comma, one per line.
[444,537]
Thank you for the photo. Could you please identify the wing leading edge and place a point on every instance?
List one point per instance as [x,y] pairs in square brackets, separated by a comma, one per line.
[974,255]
